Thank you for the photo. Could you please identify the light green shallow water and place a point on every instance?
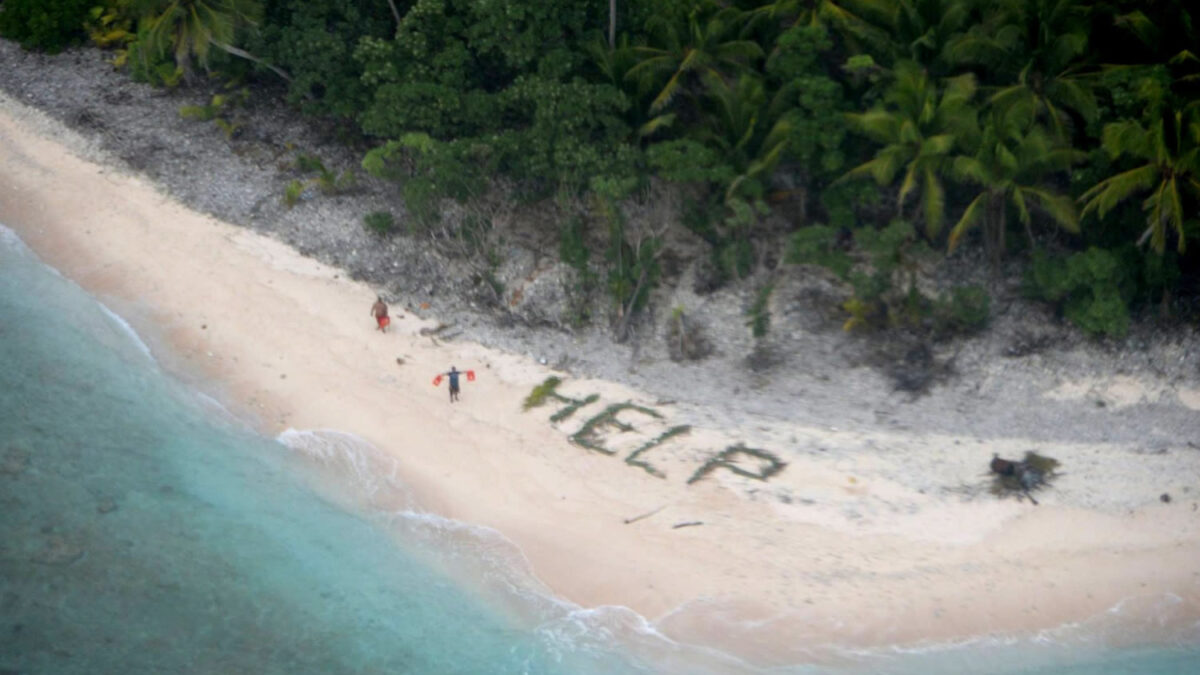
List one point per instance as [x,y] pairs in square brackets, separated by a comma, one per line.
[143,530]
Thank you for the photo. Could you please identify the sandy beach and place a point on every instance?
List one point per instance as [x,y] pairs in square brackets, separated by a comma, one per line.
[855,538]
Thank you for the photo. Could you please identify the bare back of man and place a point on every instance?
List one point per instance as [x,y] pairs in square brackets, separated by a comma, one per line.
[379,310]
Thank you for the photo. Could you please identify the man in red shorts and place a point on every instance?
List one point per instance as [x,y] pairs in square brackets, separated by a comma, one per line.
[380,312]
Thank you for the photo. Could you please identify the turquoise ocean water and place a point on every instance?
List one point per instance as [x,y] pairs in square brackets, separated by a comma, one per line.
[143,529]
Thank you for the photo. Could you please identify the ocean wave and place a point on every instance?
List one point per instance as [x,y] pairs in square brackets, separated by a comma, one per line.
[368,472]
[129,331]
[10,240]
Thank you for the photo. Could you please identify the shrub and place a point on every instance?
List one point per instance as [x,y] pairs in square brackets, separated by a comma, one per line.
[573,250]
[966,311]
[1089,289]
[45,25]
[146,65]
[379,222]
[686,340]
[293,192]
[819,245]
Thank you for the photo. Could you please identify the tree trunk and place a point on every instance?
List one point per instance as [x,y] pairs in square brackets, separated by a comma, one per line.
[994,226]
[612,24]
[627,313]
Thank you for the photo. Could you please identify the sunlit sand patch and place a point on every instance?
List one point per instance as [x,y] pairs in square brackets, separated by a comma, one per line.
[1071,391]
[1189,398]
[1118,392]
[280,256]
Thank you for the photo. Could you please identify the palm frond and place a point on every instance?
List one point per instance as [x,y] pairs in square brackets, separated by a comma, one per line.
[655,124]
[1127,137]
[1176,215]
[879,125]
[1017,197]
[1105,195]
[970,169]
[965,222]
[933,203]
[1060,208]
[883,169]
[907,185]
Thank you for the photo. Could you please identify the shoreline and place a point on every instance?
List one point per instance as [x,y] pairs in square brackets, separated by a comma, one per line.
[852,544]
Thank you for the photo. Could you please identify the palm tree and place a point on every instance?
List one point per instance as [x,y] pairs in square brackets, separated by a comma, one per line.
[920,30]
[1170,147]
[1013,156]
[701,52]
[855,20]
[752,139]
[189,28]
[1036,49]
[919,125]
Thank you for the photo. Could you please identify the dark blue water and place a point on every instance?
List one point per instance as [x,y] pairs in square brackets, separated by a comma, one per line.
[145,530]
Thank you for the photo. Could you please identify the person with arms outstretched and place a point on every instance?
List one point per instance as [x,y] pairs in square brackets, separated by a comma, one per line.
[453,374]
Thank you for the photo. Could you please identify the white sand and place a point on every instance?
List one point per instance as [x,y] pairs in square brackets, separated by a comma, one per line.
[863,539]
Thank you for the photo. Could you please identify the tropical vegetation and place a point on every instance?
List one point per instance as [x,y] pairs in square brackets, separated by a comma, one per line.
[1061,135]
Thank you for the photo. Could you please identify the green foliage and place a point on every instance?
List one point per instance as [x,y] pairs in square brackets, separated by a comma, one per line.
[588,434]
[540,393]
[745,107]
[293,192]
[500,75]
[727,459]
[819,245]
[688,161]
[326,180]
[220,105]
[1170,147]
[810,101]
[145,65]
[919,127]
[314,41]
[844,200]
[1010,163]
[1090,289]
[966,311]
[379,222]
[634,458]
[688,53]
[431,171]
[573,250]
[885,292]
[112,26]
[306,163]
[45,25]
[227,127]
[633,267]
[189,29]
[734,250]
[1034,52]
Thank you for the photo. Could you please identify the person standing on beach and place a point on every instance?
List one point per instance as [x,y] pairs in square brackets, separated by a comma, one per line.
[453,376]
[379,310]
